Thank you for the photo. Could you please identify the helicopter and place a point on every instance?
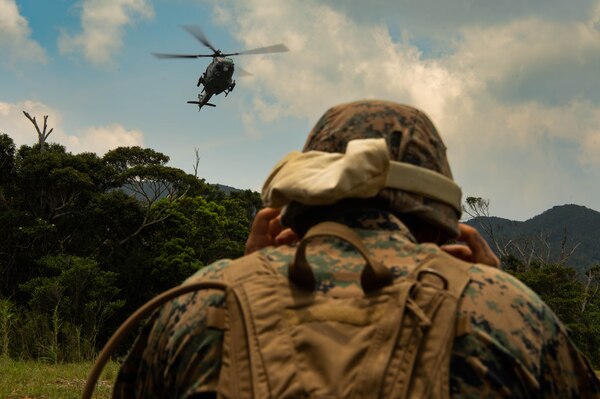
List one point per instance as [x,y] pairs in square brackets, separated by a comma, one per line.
[217,78]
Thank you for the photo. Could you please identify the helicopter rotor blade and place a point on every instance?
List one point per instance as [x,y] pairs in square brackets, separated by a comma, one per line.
[163,55]
[276,48]
[241,72]
[195,31]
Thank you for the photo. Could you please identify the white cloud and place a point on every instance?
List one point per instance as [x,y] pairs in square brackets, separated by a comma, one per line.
[332,61]
[102,139]
[93,139]
[516,99]
[15,42]
[103,23]
[14,123]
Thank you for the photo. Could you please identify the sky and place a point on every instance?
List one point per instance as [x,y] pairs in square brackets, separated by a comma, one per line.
[513,86]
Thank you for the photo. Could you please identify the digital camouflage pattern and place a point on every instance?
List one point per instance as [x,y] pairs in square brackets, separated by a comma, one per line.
[411,137]
[512,346]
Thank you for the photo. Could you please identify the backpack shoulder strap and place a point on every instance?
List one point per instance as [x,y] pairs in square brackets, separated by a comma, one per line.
[237,377]
[441,282]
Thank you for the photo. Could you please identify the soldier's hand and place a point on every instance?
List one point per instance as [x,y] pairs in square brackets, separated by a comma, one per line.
[476,249]
[267,231]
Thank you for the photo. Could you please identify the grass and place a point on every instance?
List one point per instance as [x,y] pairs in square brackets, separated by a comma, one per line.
[35,380]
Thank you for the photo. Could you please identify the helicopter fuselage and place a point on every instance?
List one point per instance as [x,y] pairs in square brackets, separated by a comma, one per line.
[217,77]
[218,74]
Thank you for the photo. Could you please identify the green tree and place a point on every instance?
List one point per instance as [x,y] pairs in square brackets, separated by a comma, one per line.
[174,262]
[561,289]
[7,165]
[77,232]
[75,291]
[142,173]
[51,184]
[43,200]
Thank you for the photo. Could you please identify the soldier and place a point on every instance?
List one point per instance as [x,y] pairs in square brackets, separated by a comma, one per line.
[504,341]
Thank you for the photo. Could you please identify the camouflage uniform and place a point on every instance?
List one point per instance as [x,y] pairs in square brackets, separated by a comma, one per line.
[516,347]
[510,345]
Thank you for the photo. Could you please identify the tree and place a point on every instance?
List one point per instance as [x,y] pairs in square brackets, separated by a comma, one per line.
[572,300]
[42,134]
[142,173]
[592,286]
[519,251]
[7,166]
[77,232]
[250,200]
[537,248]
[175,262]
[479,208]
[51,183]
[76,291]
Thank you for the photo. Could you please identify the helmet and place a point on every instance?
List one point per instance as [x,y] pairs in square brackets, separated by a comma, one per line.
[411,138]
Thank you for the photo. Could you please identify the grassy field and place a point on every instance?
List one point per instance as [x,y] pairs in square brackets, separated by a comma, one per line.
[35,380]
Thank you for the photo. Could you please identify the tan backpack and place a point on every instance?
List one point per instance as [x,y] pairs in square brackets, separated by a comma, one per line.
[284,340]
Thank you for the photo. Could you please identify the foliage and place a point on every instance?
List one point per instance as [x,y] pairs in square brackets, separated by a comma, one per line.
[78,231]
[7,316]
[575,303]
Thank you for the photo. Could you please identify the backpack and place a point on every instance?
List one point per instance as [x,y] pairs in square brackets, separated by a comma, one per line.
[284,340]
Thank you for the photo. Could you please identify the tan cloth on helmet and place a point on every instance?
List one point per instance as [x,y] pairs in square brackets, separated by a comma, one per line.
[322,178]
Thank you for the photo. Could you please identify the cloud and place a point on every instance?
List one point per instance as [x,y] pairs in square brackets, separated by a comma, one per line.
[103,23]
[15,42]
[332,61]
[591,148]
[533,59]
[102,139]
[515,95]
[20,129]
[93,139]
[441,20]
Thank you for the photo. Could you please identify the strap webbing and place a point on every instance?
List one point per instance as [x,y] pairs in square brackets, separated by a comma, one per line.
[373,276]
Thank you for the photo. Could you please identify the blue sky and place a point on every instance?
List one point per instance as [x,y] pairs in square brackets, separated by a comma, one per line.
[512,86]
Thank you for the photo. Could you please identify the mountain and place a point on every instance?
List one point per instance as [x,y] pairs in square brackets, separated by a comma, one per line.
[226,189]
[578,224]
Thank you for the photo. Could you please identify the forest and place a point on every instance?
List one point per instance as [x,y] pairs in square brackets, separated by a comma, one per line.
[85,240]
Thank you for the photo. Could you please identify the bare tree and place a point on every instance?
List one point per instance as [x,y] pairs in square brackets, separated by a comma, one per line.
[527,249]
[42,133]
[197,162]
[566,249]
[592,286]
[477,207]
[149,191]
